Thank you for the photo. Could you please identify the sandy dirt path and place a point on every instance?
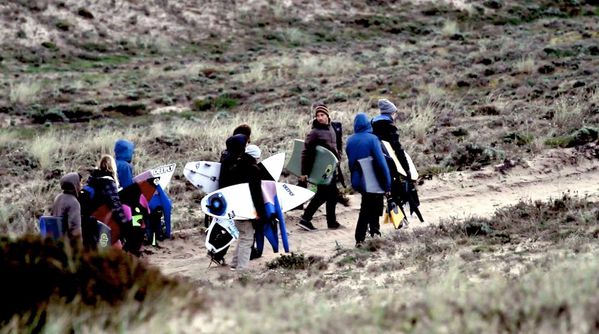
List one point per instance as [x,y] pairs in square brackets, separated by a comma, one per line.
[459,195]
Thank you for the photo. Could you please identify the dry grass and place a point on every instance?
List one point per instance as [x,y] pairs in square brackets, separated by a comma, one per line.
[450,28]
[526,65]
[24,92]
[569,113]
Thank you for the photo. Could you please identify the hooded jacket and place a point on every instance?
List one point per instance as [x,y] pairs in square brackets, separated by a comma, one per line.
[238,167]
[323,135]
[383,128]
[67,206]
[123,154]
[364,144]
[106,193]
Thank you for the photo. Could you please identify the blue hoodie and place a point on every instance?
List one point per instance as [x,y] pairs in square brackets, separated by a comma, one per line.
[123,154]
[364,144]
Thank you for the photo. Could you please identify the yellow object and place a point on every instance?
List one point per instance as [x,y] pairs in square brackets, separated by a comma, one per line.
[394,214]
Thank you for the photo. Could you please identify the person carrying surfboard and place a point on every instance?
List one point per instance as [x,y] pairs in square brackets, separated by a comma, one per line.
[238,167]
[67,206]
[360,146]
[321,134]
[402,188]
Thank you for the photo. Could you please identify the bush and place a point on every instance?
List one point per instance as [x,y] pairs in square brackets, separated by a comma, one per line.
[297,261]
[45,270]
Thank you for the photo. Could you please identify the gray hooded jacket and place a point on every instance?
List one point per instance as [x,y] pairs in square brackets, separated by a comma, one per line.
[67,206]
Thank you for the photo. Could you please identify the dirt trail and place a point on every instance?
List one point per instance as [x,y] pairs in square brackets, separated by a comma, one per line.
[459,194]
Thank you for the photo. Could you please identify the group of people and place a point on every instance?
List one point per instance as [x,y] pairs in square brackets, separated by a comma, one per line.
[365,143]
[77,202]
[239,164]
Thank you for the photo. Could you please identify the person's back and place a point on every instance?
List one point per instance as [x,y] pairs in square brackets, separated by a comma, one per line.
[384,129]
[67,206]
[123,154]
[103,181]
[363,144]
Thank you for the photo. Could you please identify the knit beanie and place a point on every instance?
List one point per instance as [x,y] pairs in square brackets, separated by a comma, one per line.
[387,107]
[320,107]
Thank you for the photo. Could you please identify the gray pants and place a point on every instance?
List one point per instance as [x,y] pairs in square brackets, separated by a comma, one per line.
[243,250]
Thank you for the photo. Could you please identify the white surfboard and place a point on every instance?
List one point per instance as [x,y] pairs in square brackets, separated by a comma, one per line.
[164,173]
[413,172]
[235,202]
[204,174]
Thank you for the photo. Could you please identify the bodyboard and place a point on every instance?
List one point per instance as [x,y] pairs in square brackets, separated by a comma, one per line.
[221,234]
[400,169]
[104,236]
[164,174]
[371,182]
[325,163]
[130,196]
[394,214]
[235,202]
[51,227]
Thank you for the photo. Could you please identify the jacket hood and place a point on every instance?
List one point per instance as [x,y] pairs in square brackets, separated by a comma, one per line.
[123,150]
[236,145]
[362,123]
[71,182]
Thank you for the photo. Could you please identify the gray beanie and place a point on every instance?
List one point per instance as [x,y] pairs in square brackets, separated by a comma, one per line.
[387,107]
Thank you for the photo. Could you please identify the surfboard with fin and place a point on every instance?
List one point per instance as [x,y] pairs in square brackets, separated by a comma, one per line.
[204,174]
[235,202]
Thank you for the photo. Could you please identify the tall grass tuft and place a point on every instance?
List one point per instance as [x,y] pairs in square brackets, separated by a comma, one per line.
[421,120]
[568,114]
[24,92]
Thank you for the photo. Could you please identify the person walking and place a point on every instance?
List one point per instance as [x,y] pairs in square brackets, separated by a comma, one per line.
[321,134]
[403,189]
[238,167]
[66,205]
[365,145]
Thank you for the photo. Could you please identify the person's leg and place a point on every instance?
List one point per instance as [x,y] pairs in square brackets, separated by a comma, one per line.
[331,199]
[362,224]
[376,207]
[244,243]
[319,198]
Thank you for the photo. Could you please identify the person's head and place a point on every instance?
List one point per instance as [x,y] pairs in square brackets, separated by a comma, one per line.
[236,145]
[243,129]
[107,164]
[123,150]
[321,113]
[71,183]
[387,107]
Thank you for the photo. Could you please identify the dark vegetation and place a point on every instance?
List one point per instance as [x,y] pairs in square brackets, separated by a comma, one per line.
[36,273]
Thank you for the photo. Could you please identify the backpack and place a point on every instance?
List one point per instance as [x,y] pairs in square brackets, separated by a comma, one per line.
[87,200]
[337,127]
